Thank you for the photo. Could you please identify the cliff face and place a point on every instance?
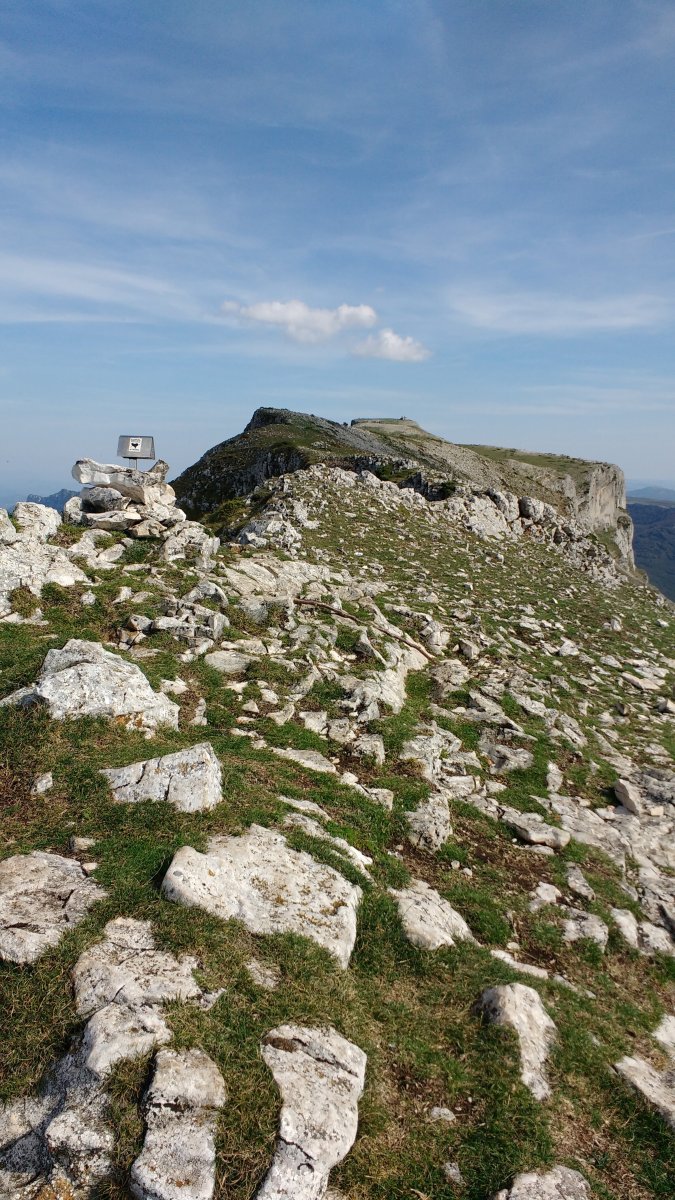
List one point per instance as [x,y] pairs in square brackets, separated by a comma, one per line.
[279,441]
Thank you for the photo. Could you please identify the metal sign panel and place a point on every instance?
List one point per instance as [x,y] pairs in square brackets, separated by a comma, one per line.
[135,446]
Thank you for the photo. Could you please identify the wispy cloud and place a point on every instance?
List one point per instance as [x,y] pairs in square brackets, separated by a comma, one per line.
[556,315]
[387,344]
[53,281]
[300,322]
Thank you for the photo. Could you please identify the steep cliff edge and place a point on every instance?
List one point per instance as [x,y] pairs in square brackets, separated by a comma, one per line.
[279,441]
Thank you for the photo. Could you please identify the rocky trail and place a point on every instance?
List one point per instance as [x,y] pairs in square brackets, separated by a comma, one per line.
[338,859]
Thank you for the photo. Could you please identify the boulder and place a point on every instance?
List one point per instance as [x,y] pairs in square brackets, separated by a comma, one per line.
[36,521]
[101,499]
[320,1076]
[519,1007]
[84,680]
[178,1159]
[190,780]
[428,920]
[42,896]
[260,880]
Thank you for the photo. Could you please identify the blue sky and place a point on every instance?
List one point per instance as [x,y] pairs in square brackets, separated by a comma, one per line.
[462,212]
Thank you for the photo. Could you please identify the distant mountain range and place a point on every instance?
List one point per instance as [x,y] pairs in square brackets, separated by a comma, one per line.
[653,514]
[56,500]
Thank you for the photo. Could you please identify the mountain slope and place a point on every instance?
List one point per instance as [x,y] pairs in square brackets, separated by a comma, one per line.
[382,800]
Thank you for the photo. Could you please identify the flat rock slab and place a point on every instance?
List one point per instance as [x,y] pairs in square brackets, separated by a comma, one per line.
[41,897]
[428,920]
[260,880]
[320,1076]
[228,662]
[312,759]
[190,780]
[178,1159]
[656,1088]
[520,1007]
[561,1183]
[127,968]
[84,680]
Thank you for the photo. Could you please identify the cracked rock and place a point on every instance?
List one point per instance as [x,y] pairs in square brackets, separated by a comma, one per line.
[190,780]
[178,1159]
[320,1076]
[41,897]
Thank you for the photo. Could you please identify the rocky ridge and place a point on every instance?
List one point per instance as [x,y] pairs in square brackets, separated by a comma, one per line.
[391,906]
[592,496]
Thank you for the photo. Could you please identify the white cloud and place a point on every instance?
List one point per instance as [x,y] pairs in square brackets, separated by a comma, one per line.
[387,344]
[302,323]
[555,315]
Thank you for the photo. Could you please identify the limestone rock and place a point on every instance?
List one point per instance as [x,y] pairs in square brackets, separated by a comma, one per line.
[127,968]
[658,1090]
[429,825]
[312,759]
[577,882]
[532,828]
[228,662]
[36,520]
[147,487]
[520,1007]
[84,680]
[178,1159]
[560,1183]
[60,1143]
[428,920]
[579,924]
[41,897]
[190,780]
[259,880]
[320,1076]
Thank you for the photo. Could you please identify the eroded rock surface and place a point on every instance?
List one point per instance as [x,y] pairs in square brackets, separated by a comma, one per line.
[520,1007]
[561,1183]
[63,1137]
[320,1076]
[41,897]
[429,921]
[190,780]
[85,680]
[178,1159]
[260,880]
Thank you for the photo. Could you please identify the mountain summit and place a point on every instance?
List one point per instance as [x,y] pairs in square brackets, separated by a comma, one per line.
[277,441]
[338,855]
